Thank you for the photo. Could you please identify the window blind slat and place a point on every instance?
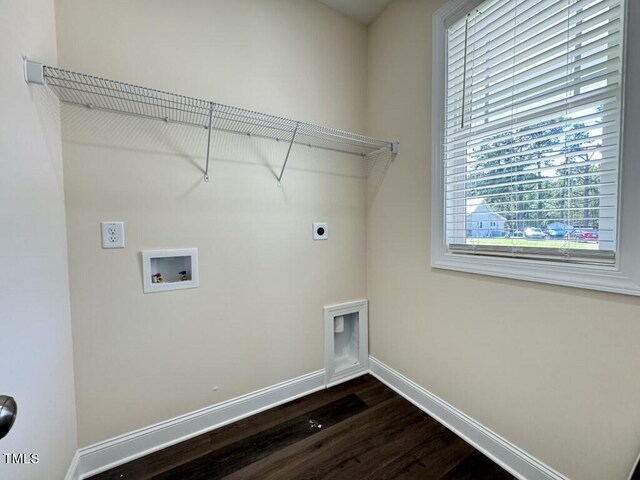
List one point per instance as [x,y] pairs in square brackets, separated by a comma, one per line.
[569,255]
[497,25]
[531,70]
[568,191]
[453,183]
[506,32]
[558,209]
[490,54]
[553,132]
[607,118]
[563,149]
[609,94]
[538,37]
[534,97]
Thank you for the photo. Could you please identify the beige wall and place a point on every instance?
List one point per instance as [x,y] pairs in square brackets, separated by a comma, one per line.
[257,317]
[554,370]
[35,327]
[562,386]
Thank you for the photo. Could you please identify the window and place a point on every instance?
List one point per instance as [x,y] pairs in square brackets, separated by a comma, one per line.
[527,102]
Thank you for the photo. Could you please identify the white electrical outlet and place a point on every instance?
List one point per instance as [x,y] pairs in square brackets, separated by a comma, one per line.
[112,234]
[320,231]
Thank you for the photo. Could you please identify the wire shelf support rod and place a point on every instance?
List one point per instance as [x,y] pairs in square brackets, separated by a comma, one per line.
[286,159]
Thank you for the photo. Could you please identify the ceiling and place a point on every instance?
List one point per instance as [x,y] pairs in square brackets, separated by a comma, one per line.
[365,11]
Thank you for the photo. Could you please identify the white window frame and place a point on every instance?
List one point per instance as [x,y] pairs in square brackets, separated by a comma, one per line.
[622,277]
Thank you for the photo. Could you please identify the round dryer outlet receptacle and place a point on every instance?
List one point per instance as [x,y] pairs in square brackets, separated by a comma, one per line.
[320,231]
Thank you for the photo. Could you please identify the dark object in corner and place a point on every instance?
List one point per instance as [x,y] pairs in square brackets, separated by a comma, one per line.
[636,470]
[8,412]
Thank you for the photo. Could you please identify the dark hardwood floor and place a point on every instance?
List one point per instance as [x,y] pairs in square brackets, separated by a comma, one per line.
[357,430]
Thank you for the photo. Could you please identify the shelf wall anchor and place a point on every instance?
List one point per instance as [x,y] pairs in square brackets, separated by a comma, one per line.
[284,165]
[33,71]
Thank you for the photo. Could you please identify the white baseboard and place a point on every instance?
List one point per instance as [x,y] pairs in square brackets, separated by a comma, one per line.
[72,473]
[501,451]
[357,373]
[124,448]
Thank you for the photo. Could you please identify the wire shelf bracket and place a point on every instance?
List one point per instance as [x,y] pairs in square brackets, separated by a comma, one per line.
[110,95]
[206,169]
[286,159]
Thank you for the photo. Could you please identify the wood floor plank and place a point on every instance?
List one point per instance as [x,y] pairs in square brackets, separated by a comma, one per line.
[230,458]
[477,466]
[366,387]
[318,456]
[432,458]
[128,471]
[376,451]
[368,433]
[159,461]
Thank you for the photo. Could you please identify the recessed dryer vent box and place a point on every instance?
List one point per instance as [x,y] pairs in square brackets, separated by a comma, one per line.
[346,341]
[173,269]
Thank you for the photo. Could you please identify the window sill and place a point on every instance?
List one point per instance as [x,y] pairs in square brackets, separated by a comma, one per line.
[602,278]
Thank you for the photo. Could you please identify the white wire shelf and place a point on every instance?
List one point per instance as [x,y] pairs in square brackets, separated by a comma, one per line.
[113,96]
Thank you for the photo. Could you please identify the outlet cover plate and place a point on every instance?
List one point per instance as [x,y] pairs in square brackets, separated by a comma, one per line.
[112,234]
[320,231]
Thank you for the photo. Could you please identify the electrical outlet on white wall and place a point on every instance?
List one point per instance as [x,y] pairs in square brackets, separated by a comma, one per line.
[112,234]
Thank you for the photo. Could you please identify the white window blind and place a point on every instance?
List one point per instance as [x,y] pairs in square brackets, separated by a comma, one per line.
[531,144]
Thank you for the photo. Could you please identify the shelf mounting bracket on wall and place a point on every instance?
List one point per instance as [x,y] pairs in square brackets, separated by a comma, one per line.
[112,96]
[206,169]
[284,165]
